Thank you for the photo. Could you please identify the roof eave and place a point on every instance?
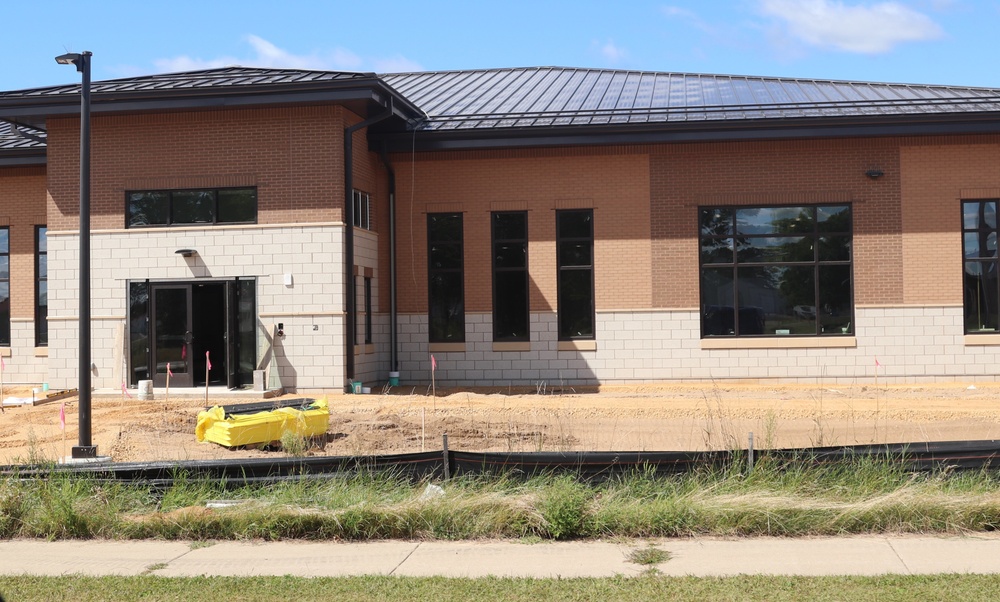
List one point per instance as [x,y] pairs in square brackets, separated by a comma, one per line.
[23,158]
[371,92]
[702,131]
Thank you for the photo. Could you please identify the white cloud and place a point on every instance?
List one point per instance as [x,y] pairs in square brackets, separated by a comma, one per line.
[859,28]
[396,64]
[611,52]
[268,55]
[676,11]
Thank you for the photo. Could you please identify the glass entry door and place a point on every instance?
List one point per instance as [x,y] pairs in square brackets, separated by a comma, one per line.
[186,323]
[172,337]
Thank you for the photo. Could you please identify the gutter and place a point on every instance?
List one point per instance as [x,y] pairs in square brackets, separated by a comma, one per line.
[351,326]
[393,310]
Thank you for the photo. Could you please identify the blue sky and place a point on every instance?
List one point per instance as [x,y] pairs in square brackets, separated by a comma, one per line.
[910,41]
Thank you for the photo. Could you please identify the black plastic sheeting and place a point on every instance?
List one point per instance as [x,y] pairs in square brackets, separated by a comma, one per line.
[299,403]
[951,455]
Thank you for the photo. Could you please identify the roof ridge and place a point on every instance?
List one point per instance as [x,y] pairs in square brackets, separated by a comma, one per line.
[773,78]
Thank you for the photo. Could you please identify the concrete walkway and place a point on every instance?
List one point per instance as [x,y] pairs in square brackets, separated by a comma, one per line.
[863,555]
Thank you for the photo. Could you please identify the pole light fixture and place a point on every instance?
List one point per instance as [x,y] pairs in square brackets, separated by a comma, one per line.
[84,448]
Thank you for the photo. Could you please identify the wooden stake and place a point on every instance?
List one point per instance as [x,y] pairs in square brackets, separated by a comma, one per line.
[423,429]
[208,366]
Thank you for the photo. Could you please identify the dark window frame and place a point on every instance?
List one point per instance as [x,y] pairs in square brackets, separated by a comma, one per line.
[5,334]
[495,241]
[458,248]
[368,310]
[988,262]
[563,272]
[751,319]
[170,207]
[41,311]
[362,210]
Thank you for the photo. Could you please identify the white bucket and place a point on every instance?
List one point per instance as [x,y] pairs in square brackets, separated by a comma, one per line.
[366,390]
[145,389]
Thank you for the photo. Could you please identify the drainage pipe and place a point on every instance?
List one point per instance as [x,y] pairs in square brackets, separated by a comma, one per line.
[393,311]
[351,326]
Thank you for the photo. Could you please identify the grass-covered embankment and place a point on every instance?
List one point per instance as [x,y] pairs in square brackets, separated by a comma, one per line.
[867,496]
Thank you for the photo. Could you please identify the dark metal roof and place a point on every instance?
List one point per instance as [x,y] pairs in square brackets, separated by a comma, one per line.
[229,78]
[549,97]
[211,88]
[21,145]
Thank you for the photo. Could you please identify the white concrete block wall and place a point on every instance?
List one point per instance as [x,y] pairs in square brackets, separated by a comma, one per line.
[23,366]
[311,354]
[912,345]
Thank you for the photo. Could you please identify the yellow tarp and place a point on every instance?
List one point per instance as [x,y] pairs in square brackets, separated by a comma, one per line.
[262,427]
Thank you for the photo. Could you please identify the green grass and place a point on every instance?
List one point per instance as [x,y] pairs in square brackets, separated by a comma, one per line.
[866,496]
[265,589]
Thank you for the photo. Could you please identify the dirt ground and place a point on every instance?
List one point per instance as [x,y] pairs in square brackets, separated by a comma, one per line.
[639,418]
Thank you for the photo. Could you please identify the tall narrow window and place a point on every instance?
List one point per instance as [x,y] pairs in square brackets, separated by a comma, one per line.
[138,327]
[510,276]
[368,310]
[362,210]
[980,282]
[445,271]
[5,287]
[776,271]
[41,287]
[575,258]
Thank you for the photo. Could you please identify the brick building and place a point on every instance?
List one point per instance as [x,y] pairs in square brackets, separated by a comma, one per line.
[523,226]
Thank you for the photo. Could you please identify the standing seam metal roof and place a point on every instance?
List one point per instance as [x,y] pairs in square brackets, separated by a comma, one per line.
[227,77]
[554,96]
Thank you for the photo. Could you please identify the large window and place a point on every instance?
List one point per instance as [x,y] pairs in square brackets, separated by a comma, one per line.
[152,208]
[510,276]
[446,274]
[575,260]
[776,270]
[5,286]
[41,287]
[979,247]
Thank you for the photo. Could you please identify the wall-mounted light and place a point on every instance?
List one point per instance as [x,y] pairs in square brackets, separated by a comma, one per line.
[186,252]
[874,173]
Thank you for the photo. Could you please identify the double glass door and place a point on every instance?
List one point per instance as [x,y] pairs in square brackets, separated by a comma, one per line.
[195,333]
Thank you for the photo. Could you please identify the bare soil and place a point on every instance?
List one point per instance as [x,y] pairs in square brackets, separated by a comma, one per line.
[684,417]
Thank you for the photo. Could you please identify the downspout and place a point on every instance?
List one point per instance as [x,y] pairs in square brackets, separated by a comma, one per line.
[350,331]
[393,311]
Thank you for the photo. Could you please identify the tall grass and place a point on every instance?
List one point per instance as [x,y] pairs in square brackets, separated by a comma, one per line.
[775,498]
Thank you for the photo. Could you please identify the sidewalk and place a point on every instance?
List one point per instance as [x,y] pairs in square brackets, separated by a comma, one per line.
[864,555]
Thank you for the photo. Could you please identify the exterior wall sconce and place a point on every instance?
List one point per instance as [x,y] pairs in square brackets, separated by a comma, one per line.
[874,173]
[186,252]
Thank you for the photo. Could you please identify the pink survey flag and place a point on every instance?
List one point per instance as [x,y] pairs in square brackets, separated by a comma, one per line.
[434,363]
[62,417]
[125,390]
[876,363]
[184,352]
[169,373]
[208,361]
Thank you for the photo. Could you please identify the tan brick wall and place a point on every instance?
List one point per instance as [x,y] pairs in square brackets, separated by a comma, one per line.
[936,177]
[22,207]
[293,155]
[684,177]
[614,182]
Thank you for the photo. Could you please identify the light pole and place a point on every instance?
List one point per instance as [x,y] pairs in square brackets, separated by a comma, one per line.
[84,449]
